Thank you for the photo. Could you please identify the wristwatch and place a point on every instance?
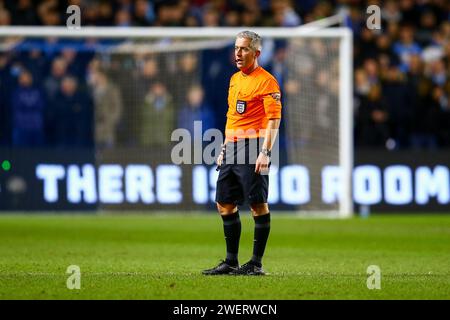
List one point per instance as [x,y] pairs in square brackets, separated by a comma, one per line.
[266,152]
[223,148]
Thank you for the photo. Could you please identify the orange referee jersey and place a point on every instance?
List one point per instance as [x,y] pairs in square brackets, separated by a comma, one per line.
[253,99]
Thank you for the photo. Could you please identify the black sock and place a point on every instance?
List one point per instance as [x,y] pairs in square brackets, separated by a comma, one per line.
[232,231]
[262,229]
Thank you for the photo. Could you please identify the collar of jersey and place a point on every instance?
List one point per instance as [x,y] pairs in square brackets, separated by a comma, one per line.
[246,75]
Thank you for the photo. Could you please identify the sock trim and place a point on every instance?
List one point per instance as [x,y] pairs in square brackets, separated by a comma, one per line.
[262,225]
[230,216]
[262,219]
[229,223]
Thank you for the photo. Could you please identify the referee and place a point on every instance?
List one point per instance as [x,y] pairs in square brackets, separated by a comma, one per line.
[253,119]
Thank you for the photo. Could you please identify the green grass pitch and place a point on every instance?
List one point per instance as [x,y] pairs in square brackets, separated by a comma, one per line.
[149,256]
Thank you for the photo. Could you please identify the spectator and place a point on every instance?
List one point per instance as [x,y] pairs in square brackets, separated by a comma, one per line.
[146,75]
[232,19]
[170,13]
[6,83]
[108,109]
[156,117]
[406,46]
[53,82]
[372,70]
[90,14]
[397,98]
[366,45]
[284,14]
[24,13]
[77,62]
[321,10]
[393,30]
[36,63]
[419,92]
[195,109]
[5,17]
[105,14]
[383,52]
[71,116]
[442,105]
[186,73]
[251,17]
[390,12]
[143,13]
[123,19]
[410,12]
[427,24]
[191,21]
[426,122]
[126,5]
[210,17]
[278,66]
[437,72]
[27,103]
[373,119]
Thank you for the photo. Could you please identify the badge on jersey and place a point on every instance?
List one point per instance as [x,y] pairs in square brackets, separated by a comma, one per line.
[276,96]
[241,106]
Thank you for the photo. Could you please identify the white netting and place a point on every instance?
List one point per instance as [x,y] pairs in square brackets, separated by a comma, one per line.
[312,110]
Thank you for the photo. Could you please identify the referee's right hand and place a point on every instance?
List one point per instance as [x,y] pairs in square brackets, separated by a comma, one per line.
[219,159]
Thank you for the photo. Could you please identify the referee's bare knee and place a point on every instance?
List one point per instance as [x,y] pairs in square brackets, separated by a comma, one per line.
[226,208]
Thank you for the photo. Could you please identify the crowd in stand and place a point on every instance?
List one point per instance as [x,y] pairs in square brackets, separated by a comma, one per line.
[53,97]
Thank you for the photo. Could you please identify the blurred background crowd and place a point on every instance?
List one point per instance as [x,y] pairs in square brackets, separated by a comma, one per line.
[52,95]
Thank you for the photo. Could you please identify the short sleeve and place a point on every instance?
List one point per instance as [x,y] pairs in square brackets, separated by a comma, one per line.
[271,95]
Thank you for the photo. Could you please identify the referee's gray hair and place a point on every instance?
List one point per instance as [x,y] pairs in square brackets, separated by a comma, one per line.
[255,39]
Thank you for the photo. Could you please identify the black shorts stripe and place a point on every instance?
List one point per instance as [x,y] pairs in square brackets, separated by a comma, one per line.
[238,183]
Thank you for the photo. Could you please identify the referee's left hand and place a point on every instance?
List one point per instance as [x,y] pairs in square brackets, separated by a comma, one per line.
[262,163]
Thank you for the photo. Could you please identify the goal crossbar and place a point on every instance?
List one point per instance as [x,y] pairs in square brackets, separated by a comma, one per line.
[172,32]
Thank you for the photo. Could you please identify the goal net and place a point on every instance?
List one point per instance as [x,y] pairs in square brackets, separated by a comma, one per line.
[123,93]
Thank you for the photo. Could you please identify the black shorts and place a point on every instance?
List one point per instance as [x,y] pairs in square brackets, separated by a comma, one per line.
[238,183]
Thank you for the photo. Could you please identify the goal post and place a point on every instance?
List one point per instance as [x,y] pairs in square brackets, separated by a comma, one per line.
[317,146]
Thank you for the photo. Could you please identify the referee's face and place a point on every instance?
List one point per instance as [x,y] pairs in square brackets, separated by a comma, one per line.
[245,57]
